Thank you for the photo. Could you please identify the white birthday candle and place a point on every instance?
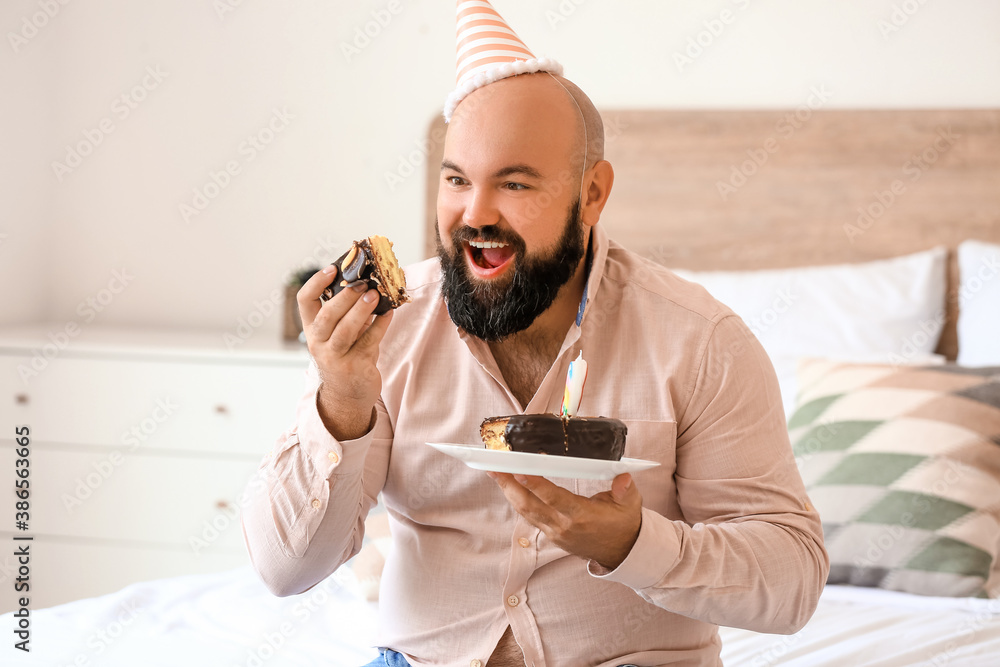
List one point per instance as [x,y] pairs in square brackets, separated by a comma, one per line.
[576,376]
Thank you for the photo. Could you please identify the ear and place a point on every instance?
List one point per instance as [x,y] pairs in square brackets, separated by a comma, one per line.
[599,180]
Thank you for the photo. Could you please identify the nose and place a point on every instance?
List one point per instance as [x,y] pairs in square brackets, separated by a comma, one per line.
[480,210]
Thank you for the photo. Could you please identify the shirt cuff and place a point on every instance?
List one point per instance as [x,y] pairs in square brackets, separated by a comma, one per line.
[328,455]
[654,554]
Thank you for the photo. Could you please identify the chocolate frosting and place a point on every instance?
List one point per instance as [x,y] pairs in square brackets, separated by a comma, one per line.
[583,437]
[360,267]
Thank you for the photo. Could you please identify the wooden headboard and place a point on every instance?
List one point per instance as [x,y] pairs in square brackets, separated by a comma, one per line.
[736,190]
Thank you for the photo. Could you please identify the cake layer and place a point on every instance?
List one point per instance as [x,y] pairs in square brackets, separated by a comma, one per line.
[373,261]
[582,437]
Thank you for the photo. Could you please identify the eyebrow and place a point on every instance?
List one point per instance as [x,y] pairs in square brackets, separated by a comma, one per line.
[525,169]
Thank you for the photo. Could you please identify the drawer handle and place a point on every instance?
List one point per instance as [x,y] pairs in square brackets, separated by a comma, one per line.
[21,399]
[221,409]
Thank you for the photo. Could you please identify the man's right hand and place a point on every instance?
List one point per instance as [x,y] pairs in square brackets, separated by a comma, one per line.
[344,340]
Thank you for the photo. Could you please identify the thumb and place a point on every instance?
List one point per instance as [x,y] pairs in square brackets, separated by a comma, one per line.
[620,486]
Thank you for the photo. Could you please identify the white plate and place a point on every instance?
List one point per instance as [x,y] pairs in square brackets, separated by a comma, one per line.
[520,463]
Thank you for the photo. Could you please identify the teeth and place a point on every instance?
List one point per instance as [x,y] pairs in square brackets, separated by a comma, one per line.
[487,244]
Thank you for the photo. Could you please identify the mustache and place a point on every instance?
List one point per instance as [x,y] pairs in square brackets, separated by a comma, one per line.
[495,310]
[491,233]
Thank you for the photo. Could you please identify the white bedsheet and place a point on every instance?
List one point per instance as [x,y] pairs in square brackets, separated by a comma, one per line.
[222,620]
[230,620]
[871,627]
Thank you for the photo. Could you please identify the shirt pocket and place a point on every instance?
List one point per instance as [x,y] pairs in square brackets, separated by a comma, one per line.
[649,441]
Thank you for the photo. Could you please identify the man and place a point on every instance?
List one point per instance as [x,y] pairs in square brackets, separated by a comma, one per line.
[528,570]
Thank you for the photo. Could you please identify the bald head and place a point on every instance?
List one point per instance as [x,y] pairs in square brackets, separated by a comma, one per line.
[549,104]
[593,126]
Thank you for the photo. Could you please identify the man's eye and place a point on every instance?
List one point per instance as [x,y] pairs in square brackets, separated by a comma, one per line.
[515,186]
[454,180]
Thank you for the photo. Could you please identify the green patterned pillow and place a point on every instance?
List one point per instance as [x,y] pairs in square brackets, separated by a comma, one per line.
[903,465]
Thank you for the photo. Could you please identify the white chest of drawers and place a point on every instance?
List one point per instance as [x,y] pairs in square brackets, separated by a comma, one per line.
[142,444]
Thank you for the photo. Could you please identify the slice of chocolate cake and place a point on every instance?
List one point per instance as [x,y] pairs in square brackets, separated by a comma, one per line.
[582,437]
[372,260]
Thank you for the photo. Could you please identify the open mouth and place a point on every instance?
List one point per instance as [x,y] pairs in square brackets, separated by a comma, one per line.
[489,258]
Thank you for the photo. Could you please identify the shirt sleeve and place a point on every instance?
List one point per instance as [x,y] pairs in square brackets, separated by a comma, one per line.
[749,552]
[304,509]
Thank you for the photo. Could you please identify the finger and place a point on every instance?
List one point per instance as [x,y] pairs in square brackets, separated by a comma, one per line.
[373,335]
[333,311]
[526,503]
[354,322]
[308,295]
[620,487]
[553,495]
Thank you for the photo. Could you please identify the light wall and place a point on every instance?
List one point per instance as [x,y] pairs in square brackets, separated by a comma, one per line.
[342,110]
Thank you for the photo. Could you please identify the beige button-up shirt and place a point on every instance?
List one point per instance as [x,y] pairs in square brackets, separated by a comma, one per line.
[728,536]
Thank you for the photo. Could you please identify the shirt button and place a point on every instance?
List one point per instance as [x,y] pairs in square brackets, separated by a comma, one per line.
[476,663]
[524,542]
[316,503]
[333,457]
[512,600]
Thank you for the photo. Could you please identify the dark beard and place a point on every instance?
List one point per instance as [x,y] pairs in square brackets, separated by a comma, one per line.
[494,310]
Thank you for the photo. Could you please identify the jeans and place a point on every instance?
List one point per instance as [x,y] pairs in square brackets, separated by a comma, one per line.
[389,658]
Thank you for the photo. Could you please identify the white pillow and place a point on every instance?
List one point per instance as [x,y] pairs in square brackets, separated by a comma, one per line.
[888,311]
[979,304]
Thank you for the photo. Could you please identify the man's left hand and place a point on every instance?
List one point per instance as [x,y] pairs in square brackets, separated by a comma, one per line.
[602,528]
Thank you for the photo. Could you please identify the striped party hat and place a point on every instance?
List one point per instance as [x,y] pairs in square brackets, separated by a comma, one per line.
[488,50]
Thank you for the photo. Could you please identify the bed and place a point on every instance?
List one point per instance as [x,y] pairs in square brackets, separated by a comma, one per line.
[230,619]
[862,247]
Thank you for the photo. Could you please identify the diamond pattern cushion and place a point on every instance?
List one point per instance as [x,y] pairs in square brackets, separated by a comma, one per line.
[903,465]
